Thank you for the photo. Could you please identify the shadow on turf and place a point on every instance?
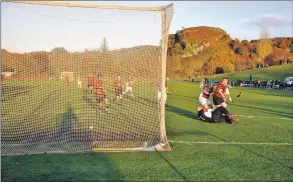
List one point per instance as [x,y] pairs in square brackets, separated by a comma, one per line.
[60,167]
[182,112]
[172,166]
[66,122]
[191,115]
[277,113]
[12,91]
[249,150]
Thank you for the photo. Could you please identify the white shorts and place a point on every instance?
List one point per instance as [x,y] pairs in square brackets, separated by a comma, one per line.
[203,100]
[201,86]
[159,96]
[79,83]
[128,89]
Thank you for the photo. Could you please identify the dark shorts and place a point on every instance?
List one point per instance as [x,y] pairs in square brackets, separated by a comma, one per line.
[100,100]
[118,91]
[218,100]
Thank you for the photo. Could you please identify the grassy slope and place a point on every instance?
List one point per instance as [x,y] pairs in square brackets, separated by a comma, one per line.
[274,72]
[185,161]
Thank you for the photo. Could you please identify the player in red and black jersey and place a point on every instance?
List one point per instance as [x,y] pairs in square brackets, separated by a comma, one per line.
[118,87]
[90,81]
[101,96]
[219,97]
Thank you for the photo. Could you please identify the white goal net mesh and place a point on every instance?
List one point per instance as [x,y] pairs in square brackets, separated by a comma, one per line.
[67,75]
[118,57]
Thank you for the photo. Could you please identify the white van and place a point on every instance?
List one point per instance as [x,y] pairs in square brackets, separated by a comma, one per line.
[289,81]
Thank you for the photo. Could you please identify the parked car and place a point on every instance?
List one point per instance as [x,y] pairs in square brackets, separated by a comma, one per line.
[289,81]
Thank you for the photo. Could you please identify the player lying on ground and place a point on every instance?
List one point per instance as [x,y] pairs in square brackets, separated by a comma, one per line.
[101,96]
[90,81]
[118,87]
[219,115]
[204,96]
[129,83]
[219,97]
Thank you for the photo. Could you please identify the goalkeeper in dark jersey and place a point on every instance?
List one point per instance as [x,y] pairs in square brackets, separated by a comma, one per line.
[219,115]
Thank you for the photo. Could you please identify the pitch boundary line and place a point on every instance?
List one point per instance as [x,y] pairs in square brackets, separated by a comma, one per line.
[233,143]
[264,117]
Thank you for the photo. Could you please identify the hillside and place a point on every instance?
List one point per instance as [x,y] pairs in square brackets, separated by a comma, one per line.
[141,61]
[207,50]
[272,73]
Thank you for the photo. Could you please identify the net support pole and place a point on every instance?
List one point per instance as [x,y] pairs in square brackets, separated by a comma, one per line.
[164,43]
[163,72]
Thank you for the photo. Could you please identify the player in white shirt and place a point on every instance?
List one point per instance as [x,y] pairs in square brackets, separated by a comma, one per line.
[204,96]
[228,96]
[129,84]
[78,82]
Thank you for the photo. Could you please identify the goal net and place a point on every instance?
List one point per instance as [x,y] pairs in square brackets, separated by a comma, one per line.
[68,75]
[118,57]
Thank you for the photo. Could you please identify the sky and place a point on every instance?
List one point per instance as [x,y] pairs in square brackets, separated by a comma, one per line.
[26,28]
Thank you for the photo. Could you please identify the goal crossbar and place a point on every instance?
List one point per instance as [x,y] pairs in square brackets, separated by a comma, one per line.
[78,5]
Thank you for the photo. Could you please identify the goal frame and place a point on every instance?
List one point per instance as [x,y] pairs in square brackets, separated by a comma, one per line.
[164,43]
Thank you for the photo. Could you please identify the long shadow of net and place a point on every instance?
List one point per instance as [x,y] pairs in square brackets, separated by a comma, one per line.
[172,167]
[277,113]
[59,167]
[181,111]
[249,150]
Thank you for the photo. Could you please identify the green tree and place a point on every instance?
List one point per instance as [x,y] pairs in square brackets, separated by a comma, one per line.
[104,45]
[188,50]
[59,50]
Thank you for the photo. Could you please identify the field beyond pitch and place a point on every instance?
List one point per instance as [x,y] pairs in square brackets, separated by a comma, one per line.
[263,148]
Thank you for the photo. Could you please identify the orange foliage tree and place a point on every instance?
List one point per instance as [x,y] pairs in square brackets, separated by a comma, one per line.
[218,64]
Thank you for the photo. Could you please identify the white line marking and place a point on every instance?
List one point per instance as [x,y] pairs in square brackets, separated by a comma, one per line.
[264,117]
[232,143]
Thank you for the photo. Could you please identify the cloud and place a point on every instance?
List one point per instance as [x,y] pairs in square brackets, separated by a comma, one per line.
[268,21]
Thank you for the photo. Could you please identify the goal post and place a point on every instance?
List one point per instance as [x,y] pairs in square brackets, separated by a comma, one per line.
[120,105]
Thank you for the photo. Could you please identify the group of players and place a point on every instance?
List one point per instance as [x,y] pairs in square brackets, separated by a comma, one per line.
[215,112]
[96,87]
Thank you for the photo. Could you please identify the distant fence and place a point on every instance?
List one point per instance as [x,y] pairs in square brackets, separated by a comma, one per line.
[265,84]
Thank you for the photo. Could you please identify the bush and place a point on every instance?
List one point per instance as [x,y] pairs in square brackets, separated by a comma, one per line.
[242,50]
[218,64]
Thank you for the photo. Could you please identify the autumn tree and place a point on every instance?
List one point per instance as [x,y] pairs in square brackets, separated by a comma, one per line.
[264,46]
[218,64]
